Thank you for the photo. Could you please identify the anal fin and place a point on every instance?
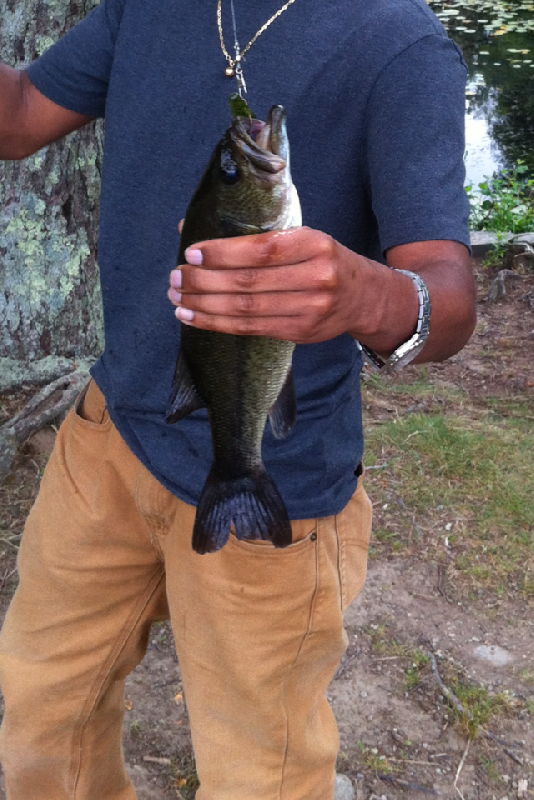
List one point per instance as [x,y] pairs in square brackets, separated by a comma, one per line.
[184,398]
[283,414]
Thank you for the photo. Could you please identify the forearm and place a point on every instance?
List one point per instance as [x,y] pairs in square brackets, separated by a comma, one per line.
[393,304]
[11,112]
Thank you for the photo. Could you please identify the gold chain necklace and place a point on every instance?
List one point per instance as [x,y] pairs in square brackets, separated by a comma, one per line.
[234,67]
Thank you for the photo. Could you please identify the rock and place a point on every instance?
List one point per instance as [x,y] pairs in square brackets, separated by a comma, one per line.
[344,788]
[527,238]
[484,241]
[522,788]
[494,654]
[498,287]
[43,442]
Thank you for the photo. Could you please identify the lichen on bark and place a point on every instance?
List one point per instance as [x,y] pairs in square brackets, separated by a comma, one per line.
[50,300]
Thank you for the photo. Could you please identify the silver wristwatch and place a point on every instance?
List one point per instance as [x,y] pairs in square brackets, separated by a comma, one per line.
[407,351]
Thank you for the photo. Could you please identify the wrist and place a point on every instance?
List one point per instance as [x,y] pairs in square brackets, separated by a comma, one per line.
[411,347]
[392,306]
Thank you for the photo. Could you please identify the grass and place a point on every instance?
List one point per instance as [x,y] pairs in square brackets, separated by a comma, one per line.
[374,761]
[480,707]
[467,484]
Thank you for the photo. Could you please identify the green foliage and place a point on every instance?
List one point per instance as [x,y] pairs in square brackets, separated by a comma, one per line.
[504,203]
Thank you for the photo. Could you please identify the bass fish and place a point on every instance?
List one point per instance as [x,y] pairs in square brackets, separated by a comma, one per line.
[241,380]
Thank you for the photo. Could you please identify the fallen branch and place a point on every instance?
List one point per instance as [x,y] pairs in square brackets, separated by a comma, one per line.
[411,761]
[409,785]
[445,690]
[42,409]
[460,767]
[514,756]
[164,762]
[346,665]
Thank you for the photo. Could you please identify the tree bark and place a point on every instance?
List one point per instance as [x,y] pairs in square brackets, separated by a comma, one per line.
[50,301]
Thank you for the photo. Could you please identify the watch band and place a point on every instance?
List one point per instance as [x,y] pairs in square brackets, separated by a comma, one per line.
[408,350]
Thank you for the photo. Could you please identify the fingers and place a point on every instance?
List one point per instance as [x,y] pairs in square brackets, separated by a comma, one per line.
[266,304]
[292,328]
[284,284]
[312,275]
[261,250]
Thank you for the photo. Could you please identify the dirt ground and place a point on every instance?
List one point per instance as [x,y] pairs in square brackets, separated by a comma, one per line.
[401,737]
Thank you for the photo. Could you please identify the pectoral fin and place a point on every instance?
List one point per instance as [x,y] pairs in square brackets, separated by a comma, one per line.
[184,398]
[283,414]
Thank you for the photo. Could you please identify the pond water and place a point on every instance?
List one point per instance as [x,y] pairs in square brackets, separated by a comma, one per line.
[497,39]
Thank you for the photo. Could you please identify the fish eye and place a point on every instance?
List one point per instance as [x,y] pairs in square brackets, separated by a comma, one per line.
[229,171]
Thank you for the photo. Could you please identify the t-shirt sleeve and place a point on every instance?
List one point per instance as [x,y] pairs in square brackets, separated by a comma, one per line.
[75,71]
[415,145]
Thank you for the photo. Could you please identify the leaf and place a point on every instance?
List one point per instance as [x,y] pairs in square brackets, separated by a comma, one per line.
[240,107]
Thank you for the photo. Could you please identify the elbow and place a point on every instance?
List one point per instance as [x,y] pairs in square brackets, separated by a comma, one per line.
[14,148]
[469,326]
[467,318]
[459,333]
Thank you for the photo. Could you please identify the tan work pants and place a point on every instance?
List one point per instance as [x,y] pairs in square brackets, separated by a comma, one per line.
[107,551]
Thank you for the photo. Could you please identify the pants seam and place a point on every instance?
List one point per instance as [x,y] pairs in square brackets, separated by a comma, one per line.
[341,556]
[152,535]
[98,684]
[299,651]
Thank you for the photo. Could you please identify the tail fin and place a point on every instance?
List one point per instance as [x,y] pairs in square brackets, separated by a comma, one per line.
[253,504]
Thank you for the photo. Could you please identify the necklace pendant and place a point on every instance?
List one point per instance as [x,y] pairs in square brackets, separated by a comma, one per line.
[229,72]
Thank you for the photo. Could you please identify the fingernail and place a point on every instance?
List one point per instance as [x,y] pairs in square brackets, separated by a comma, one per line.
[175,296]
[193,257]
[185,314]
[176,279]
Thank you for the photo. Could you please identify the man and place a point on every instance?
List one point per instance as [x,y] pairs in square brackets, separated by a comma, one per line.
[374,96]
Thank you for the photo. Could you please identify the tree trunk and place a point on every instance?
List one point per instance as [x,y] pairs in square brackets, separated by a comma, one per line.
[50,302]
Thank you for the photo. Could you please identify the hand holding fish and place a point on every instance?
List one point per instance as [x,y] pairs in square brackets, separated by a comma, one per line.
[299,284]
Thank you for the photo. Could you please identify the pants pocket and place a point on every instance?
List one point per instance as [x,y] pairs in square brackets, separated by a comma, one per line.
[90,407]
[354,535]
[82,444]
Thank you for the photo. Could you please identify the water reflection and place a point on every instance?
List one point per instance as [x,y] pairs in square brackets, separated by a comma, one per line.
[483,156]
[498,44]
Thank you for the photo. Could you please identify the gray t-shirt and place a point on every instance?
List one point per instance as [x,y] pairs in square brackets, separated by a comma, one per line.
[374,93]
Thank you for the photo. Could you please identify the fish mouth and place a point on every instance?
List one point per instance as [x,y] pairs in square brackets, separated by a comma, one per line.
[263,144]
